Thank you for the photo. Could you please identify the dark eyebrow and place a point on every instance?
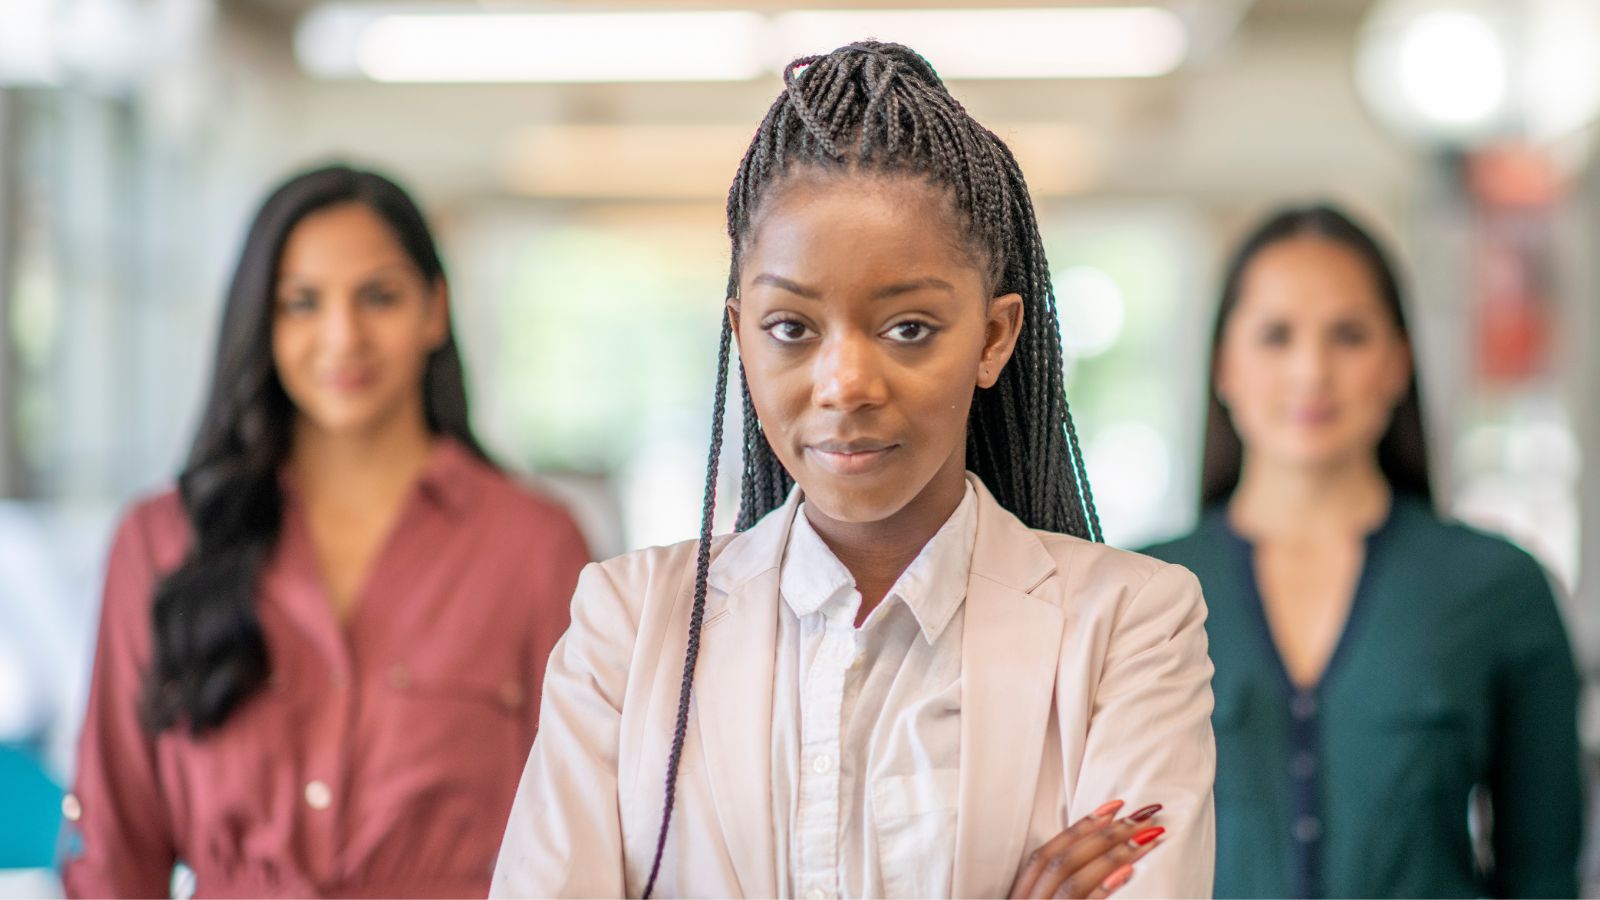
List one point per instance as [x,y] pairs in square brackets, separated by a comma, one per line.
[785,284]
[920,284]
[892,290]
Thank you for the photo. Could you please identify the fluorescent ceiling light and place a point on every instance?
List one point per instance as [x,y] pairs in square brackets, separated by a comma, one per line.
[550,47]
[433,44]
[1081,42]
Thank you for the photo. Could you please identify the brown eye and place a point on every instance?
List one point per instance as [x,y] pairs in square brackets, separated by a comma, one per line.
[787,331]
[302,304]
[910,332]
[1350,334]
[380,298]
[1275,334]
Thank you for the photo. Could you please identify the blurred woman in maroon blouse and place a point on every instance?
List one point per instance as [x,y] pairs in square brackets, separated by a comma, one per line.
[319,657]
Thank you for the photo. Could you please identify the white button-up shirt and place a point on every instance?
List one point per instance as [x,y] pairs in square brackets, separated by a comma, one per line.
[866,735]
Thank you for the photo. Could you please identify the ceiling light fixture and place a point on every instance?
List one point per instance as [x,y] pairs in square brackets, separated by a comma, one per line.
[441,45]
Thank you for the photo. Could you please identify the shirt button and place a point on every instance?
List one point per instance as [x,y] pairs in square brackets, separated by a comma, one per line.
[71,809]
[318,796]
[821,763]
[1303,765]
[816,894]
[511,695]
[1303,707]
[399,677]
[1307,829]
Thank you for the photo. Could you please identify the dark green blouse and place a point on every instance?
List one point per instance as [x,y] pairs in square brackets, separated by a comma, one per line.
[1453,673]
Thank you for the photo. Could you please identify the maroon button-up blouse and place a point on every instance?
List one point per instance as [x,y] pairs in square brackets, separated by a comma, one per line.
[383,756]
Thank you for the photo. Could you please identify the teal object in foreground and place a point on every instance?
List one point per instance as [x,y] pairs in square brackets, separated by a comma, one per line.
[32,817]
[1453,673]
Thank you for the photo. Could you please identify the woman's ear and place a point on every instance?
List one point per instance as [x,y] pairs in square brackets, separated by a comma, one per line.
[1000,332]
[732,307]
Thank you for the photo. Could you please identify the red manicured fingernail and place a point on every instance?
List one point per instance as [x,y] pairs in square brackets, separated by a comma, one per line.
[1146,814]
[1117,879]
[1106,809]
[1148,835]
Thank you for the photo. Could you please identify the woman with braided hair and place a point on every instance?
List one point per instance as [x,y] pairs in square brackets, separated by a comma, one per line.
[914,670]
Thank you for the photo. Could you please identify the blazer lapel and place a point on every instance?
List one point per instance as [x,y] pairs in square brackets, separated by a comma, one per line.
[1011,641]
[733,694]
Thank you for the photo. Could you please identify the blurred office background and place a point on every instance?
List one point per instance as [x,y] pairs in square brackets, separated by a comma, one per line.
[574,157]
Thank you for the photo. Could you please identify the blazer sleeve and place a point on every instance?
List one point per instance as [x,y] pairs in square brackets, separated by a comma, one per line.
[122,843]
[1150,733]
[564,838]
[1536,777]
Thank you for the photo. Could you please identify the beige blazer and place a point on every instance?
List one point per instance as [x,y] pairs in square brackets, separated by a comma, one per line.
[1084,678]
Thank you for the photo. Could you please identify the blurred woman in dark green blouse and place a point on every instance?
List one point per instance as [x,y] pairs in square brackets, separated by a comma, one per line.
[1377,669]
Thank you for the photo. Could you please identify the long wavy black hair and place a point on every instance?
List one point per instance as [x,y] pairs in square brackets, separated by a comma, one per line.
[880,109]
[1403,449]
[209,652]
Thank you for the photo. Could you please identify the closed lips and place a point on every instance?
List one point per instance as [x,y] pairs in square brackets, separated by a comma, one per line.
[853,457]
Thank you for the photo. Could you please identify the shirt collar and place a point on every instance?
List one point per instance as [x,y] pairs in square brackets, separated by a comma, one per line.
[933,587]
[812,576]
[452,476]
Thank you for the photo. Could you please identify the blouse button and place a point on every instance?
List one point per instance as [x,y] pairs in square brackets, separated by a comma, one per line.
[1307,829]
[71,809]
[399,677]
[821,763]
[318,796]
[1303,765]
[512,695]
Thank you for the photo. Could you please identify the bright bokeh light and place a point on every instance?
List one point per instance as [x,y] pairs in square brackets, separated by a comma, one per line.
[1462,72]
[1453,68]
[1091,307]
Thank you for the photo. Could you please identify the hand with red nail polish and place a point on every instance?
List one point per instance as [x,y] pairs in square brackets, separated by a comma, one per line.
[1092,858]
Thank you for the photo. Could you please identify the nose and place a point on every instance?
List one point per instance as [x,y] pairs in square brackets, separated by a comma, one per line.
[1311,363]
[847,374]
[342,325]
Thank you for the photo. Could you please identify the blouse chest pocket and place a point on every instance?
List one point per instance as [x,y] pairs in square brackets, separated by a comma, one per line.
[1419,743]
[473,724]
[501,693]
[914,817]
